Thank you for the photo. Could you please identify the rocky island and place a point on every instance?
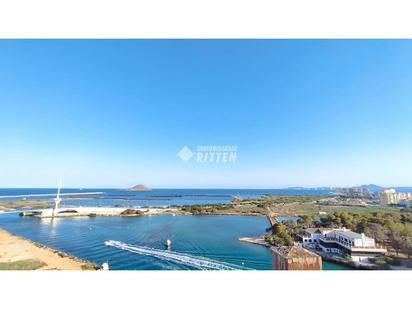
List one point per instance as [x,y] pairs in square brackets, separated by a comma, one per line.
[139,187]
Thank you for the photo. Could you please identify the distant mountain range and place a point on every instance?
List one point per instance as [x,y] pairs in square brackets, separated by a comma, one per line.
[310,188]
[376,188]
[371,187]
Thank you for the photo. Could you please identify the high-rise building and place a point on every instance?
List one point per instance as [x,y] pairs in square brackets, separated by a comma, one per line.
[390,196]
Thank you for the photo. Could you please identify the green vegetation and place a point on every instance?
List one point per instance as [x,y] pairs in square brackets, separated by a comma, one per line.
[285,199]
[278,200]
[132,212]
[279,235]
[393,230]
[220,209]
[18,204]
[207,209]
[315,209]
[386,260]
[283,205]
[89,266]
[29,264]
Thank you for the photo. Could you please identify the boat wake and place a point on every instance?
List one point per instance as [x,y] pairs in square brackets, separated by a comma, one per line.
[176,257]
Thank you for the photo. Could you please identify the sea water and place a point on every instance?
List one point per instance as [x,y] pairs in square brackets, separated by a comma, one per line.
[211,237]
[155,197]
[198,242]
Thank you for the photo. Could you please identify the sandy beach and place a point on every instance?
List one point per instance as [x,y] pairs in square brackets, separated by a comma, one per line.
[22,253]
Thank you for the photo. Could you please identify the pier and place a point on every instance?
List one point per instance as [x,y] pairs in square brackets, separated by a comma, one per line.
[75,212]
[255,240]
[94,211]
[271,217]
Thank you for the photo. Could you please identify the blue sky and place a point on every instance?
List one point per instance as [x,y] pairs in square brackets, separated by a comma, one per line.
[114,113]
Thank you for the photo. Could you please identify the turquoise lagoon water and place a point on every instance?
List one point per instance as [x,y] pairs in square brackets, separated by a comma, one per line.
[213,237]
[195,239]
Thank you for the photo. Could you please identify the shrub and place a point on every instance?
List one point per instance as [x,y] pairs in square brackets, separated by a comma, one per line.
[131,212]
[29,264]
[380,261]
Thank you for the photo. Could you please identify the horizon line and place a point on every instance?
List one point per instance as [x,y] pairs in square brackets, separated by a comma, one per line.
[211,188]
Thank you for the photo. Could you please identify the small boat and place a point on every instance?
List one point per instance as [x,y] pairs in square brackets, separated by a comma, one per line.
[168,244]
[105,266]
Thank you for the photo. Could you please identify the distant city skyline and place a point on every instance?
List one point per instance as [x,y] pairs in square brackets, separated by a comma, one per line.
[298,188]
[115,113]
